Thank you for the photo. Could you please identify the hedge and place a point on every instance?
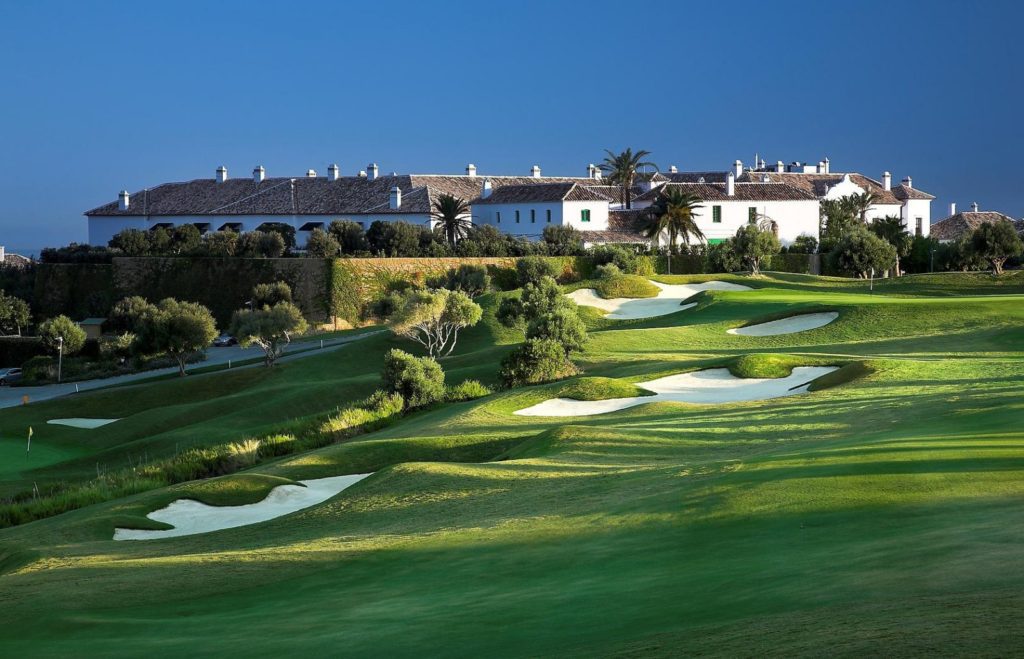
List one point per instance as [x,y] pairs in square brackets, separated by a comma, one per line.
[16,350]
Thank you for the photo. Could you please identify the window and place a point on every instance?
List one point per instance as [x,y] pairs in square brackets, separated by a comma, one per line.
[533,215]
[585,215]
[549,215]
[716,214]
[752,215]
[517,217]
[497,217]
[919,226]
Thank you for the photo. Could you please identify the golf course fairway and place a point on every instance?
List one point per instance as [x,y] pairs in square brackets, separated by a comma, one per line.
[879,512]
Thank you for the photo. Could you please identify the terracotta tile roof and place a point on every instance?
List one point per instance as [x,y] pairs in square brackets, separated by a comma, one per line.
[819,184]
[15,261]
[695,177]
[624,226]
[538,193]
[744,192]
[350,195]
[957,226]
[903,191]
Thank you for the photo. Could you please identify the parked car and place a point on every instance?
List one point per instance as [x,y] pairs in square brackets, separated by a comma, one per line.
[9,376]
[225,340]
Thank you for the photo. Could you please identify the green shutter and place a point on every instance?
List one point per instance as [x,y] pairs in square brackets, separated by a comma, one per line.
[752,214]
[585,215]
[716,214]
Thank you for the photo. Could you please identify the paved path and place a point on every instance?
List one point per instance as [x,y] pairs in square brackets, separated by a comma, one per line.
[11,396]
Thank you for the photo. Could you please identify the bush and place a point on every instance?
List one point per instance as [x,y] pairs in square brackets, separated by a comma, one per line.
[322,245]
[860,252]
[267,295]
[607,271]
[419,380]
[563,240]
[561,325]
[536,361]
[631,286]
[755,246]
[536,299]
[368,415]
[804,244]
[467,390]
[722,257]
[350,236]
[532,269]
[469,278]
[62,332]
[624,258]
[128,313]
[39,369]
[243,454]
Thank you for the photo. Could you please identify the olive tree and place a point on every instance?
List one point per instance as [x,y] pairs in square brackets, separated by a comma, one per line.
[269,327]
[753,245]
[433,318]
[14,314]
[861,252]
[267,295]
[62,333]
[178,329]
[996,242]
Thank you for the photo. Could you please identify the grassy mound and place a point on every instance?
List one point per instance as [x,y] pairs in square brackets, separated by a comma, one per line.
[846,373]
[632,286]
[597,388]
[765,365]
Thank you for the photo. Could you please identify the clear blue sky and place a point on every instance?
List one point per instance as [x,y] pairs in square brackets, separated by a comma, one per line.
[100,96]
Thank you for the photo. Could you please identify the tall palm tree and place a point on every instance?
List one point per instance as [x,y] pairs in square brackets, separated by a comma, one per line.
[452,216]
[672,213]
[622,169]
[860,203]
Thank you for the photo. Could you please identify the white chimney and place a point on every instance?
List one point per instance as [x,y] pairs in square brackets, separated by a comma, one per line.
[952,209]
[597,173]
[471,170]
[590,170]
[258,174]
[909,182]
[535,171]
[371,171]
[737,168]
[672,169]
[821,167]
[122,200]
[486,191]
[886,181]
[362,173]
[222,174]
[730,184]
[3,254]
[766,179]
[310,173]
[974,207]
[827,165]
[395,201]
[779,166]
[333,172]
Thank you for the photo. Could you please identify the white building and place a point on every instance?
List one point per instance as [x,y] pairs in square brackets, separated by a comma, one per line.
[525,210]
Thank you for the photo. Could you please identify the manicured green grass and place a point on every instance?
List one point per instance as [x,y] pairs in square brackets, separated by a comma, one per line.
[878,516]
[629,286]
[586,388]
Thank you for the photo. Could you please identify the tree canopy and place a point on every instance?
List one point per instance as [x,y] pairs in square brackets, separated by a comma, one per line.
[753,245]
[623,168]
[269,327]
[176,328]
[62,333]
[996,242]
[433,318]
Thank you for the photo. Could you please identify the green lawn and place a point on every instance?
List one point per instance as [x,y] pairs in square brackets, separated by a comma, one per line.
[880,515]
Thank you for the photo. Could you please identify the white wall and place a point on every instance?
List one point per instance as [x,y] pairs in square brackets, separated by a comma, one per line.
[567,213]
[884,210]
[917,208]
[793,217]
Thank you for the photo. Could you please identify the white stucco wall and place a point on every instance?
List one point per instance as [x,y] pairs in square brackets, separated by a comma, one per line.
[914,209]
[793,217]
[568,213]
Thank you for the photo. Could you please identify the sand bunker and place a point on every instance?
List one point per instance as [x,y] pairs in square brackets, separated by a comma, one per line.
[791,325]
[81,422]
[668,300]
[191,517]
[715,385]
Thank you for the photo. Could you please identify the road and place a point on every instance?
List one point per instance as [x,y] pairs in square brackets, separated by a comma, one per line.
[12,396]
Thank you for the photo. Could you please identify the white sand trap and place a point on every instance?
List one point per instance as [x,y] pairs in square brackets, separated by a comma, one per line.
[791,325]
[668,300]
[190,517]
[81,422]
[714,385]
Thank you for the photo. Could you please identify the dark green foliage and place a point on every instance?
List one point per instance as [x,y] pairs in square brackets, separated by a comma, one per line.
[419,380]
[754,246]
[350,236]
[996,242]
[127,314]
[62,332]
[219,244]
[804,244]
[563,240]
[471,279]
[452,216]
[267,295]
[176,328]
[322,245]
[286,231]
[722,257]
[534,362]
[16,350]
[76,253]
[395,238]
[132,242]
[561,325]
[860,252]
[467,390]
[184,240]
[14,314]
[891,230]
[532,269]
[624,257]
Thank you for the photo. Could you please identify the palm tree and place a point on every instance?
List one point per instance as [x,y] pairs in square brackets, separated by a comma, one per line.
[860,203]
[621,170]
[452,216]
[672,213]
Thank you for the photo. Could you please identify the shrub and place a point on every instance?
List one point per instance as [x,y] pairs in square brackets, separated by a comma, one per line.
[536,299]
[561,325]
[350,236]
[469,278]
[39,369]
[532,269]
[563,240]
[419,380]
[754,245]
[624,258]
[267,295]
[625,286]
[368,415]
[607,271]
[322,245]
[269,327]
[536,361]
[722,257]
[433,318]
[860,252]
[804,244]
[133,242]
[62,333]
[467,390]
[243,454]
[128,313]
[385,307]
